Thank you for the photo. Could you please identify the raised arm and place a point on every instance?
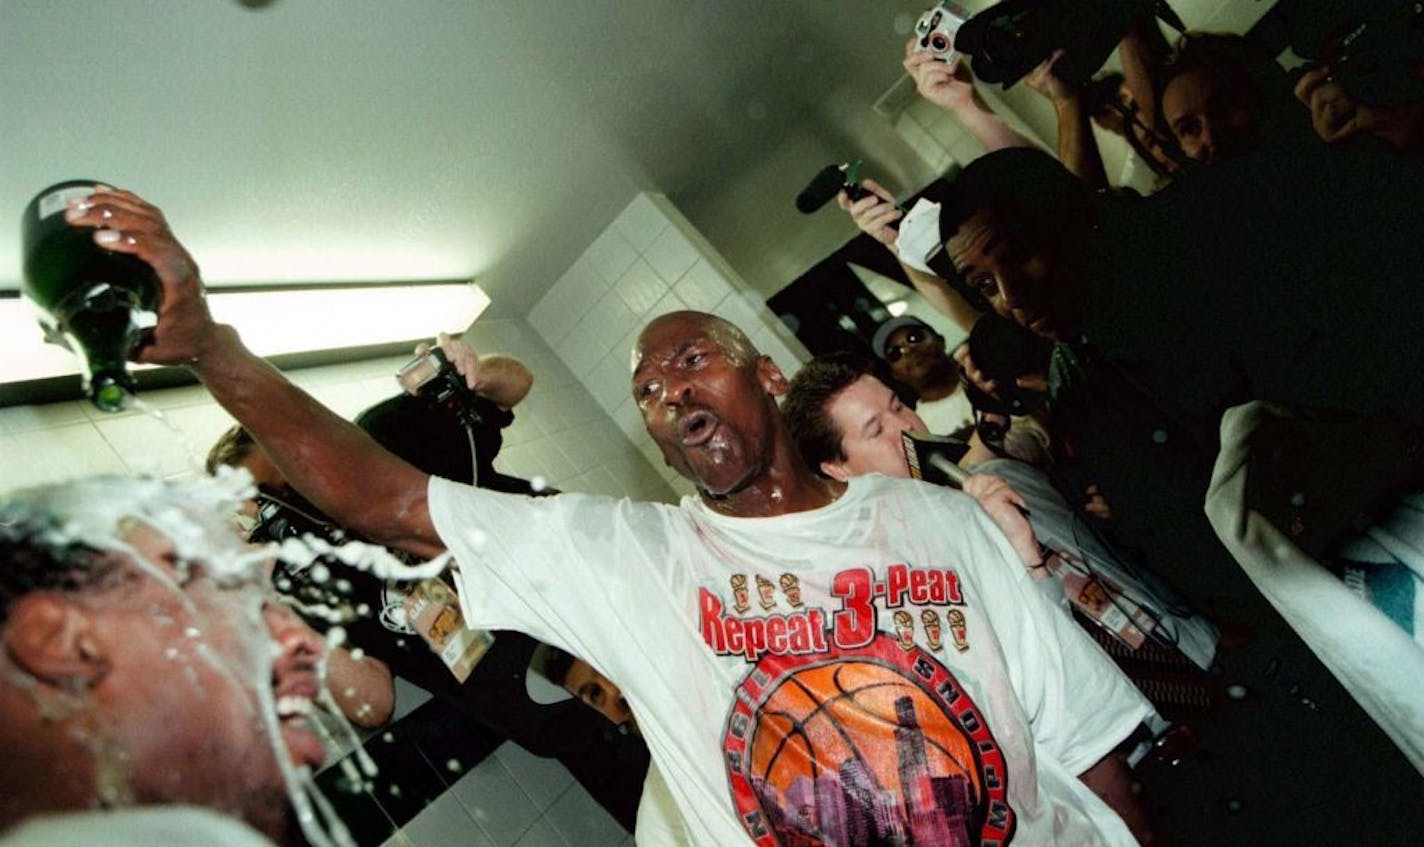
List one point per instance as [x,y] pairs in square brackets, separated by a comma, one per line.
[1144,51]
[874,214]
[331,461]
[950,86]
[1077,146]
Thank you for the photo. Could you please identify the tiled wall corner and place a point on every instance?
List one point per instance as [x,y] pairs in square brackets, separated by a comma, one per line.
[648,262]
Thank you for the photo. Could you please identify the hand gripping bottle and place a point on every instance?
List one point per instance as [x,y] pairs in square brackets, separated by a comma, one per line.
[92,301]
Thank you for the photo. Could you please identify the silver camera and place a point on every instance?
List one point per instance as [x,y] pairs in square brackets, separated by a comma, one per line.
[935,31]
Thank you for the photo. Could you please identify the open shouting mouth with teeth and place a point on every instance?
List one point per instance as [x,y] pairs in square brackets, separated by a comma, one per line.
[696,428]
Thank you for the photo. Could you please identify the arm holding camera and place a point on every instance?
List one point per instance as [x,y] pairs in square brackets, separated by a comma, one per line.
[950,86]
[873,214]
[1144,51]
[329,459]
[503,380]
[1077,146]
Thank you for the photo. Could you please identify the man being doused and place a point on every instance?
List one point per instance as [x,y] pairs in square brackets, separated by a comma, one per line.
[143,665]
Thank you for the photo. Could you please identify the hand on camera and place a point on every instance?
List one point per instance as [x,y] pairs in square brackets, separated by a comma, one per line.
[461,355]
[126,223]
[874,212]
[1336,116]
[948,85]
[981,380]
[1045,80]
[1333,113]
[1004,506]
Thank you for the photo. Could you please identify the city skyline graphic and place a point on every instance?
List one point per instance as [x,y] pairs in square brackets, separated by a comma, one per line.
[862,751]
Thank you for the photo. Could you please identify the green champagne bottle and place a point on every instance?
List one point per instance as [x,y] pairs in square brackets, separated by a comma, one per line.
[92,301]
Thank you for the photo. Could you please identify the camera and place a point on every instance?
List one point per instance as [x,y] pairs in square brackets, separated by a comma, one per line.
[934,31]
[1369,45]
[1009,39]
[291,516]
[432,377]
[1004,351]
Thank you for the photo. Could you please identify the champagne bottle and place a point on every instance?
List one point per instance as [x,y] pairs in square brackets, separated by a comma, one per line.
[92,301]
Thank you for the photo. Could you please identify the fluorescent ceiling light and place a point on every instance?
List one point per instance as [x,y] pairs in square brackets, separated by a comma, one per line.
[276,321]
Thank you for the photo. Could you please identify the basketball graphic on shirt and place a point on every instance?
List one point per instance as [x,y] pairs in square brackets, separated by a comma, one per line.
[871,746]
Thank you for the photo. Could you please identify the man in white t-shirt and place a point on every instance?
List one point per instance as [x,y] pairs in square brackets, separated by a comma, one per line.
[753,628]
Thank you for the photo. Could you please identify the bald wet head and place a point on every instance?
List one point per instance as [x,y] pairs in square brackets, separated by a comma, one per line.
[690,324]
[707,399]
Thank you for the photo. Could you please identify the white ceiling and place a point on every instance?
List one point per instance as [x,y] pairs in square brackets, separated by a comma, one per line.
[341,140]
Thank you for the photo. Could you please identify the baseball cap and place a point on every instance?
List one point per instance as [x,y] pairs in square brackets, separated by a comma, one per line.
[882,332]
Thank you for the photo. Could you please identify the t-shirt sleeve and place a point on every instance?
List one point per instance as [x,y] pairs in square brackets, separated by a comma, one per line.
[1079,704]
[529,564]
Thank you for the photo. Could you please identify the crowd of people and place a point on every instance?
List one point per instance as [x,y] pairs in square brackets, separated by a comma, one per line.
[820,646]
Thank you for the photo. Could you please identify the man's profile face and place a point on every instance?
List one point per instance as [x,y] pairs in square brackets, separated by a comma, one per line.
[704,401]
[1019,280]
[870,419]
[182,698]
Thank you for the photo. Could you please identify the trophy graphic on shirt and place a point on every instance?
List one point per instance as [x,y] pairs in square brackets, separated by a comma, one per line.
[791,587]
[958,629]
[767,591]
[741,599]
[930,618]
[905,630]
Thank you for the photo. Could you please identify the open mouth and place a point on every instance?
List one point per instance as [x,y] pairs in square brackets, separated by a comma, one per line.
[294,715]
[696,428]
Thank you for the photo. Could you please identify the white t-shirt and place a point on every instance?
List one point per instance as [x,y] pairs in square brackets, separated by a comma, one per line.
[946,414]
[140,826]
[877,669]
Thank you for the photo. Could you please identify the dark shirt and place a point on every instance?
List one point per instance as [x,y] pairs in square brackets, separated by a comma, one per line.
[1294,275]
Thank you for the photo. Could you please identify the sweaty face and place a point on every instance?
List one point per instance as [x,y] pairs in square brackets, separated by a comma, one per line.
[703,402]
[1020,281]
[598,692]
[183,708]
[1210,121]
[870,419]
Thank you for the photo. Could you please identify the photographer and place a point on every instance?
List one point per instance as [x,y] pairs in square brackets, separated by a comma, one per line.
[454,420]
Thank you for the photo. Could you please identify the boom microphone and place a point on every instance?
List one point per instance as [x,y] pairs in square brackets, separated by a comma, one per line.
[831,180]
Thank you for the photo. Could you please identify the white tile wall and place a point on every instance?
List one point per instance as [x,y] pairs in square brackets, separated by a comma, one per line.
[648,262]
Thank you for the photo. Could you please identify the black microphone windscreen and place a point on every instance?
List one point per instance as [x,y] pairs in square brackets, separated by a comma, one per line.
[825,186]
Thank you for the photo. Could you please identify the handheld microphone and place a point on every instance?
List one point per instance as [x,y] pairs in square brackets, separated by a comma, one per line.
[933,458]
[829,182]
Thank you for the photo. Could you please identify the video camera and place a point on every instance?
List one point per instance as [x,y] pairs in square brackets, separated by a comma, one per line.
[290,515]
[432,376]
[310,584]
[1004,351]
[1009,39]
[1370,45]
